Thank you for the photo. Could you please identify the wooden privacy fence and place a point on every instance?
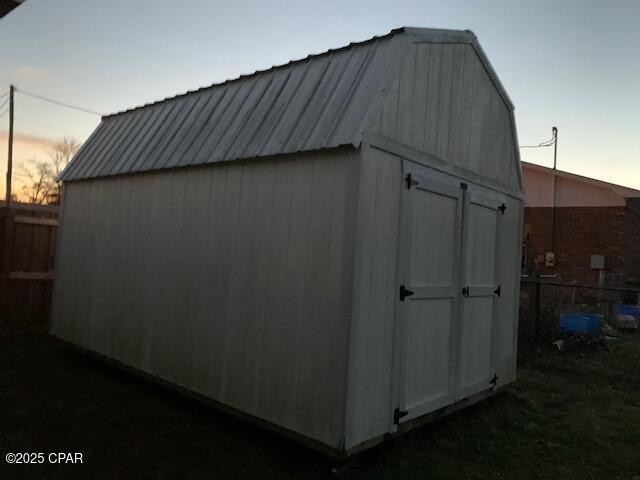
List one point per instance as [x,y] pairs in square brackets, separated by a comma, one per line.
[27,252]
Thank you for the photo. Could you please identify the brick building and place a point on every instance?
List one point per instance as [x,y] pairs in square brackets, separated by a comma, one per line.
[592,236]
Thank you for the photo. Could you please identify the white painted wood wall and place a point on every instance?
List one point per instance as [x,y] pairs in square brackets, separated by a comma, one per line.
[444,103]
[443,112]
[231,280]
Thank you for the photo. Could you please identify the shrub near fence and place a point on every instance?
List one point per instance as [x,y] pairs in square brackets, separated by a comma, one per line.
[27,252]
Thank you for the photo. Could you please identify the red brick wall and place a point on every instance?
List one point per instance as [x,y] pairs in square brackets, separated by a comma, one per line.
[579,233]
[632,236]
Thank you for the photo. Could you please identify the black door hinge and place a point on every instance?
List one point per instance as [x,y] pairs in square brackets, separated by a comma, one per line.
[398,414]
[463,186]
[502,208]
[494,380]
[404,293]
[411,181]
[497,291]
[465,291]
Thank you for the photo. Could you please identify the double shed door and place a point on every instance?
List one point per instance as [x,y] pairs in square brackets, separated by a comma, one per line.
[447,291]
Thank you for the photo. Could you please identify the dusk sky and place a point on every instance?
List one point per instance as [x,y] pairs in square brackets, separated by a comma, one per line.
[573,64]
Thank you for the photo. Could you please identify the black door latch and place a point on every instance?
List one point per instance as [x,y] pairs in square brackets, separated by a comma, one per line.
[404,293]
[411,182]
[398,414]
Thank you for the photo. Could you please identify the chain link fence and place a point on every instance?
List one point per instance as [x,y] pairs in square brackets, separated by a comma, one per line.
[544,300]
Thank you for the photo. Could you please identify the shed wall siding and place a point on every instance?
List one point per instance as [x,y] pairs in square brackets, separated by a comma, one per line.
[505,328]
[445,104]
[233,281]
[369,411]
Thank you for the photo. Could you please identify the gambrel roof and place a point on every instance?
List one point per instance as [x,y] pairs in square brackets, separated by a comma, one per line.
[322,101]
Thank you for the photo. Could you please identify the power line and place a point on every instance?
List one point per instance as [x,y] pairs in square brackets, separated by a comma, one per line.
[4,103]
[3,113]
[4,94]
[56,102]
[548,143]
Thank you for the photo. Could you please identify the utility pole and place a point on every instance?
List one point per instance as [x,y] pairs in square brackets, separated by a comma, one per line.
[554,130]
[555,188]
[10,142]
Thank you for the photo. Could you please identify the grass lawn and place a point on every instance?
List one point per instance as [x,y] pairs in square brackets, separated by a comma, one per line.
[571,415]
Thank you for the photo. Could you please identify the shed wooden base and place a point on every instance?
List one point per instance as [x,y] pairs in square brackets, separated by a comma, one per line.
[319,447]
[423,420]
[204,400]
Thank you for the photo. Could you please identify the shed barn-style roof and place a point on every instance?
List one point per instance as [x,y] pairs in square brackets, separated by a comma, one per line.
[322,101]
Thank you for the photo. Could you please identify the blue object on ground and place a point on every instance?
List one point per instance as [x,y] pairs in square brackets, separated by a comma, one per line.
[633,310]
[581,322]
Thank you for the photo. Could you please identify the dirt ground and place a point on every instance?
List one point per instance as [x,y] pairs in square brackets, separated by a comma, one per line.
[571,415]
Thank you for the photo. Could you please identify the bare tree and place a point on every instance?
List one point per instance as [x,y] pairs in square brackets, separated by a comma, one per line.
[62,153]
[41,177]
[39,181]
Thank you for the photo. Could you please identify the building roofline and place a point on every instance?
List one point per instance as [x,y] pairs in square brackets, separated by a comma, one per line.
[621,190]
[428,34]
[8,6]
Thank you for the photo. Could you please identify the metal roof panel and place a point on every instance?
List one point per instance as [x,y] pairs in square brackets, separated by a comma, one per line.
[322,101]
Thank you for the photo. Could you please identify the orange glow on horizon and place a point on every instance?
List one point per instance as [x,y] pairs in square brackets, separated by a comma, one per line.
[25,148]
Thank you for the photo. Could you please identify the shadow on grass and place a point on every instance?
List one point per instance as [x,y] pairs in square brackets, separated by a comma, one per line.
[570,415]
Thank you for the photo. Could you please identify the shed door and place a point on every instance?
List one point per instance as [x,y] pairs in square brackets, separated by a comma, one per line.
[431,239]
[447,289]
[482,212]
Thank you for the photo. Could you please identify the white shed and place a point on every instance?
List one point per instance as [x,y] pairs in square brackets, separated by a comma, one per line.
[330,247]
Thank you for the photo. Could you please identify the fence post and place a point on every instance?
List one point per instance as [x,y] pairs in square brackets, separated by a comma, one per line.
[6,261]
[536,306]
